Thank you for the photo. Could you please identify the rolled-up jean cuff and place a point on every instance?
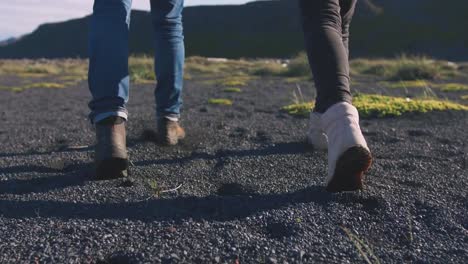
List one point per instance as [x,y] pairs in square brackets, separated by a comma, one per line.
[102,116]
[171,116]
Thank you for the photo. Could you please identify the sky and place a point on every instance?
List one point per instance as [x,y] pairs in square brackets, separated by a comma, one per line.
[19,17]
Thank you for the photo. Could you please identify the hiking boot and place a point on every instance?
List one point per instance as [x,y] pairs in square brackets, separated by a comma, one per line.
[349,156]
[316,136]
[169,131]
[111,151]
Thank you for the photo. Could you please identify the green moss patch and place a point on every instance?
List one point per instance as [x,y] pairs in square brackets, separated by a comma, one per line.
[40,85]
[31,75]
[232,90]
[73,78]
[228,82]
[234,81]
[219,101]
[383,106]
[47,85]
[297,79]
[15,89]
[300,109]
[379,105]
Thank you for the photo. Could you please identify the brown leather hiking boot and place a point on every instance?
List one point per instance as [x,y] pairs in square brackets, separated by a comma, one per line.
[111,150]
[170,132]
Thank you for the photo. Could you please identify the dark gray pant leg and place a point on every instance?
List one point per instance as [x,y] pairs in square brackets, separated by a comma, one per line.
[347,13]
[326,34]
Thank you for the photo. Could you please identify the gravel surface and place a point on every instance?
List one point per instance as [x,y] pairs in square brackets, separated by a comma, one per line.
[251,190]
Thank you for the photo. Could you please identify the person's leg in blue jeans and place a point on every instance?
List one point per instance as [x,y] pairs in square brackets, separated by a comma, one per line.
[109,84]
[334,123]
[108,59]
[109,79]
[169,67]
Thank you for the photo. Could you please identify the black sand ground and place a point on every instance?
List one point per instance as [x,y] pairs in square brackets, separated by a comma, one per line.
[251,190]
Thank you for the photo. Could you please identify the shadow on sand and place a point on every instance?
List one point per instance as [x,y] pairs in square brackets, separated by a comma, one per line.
[214,207]
[220,208]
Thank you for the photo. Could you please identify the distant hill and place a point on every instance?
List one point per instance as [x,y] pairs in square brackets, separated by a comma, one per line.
[272,29]
[7,41]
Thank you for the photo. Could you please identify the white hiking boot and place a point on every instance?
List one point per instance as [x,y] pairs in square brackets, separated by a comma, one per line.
[316,136]
[349,156]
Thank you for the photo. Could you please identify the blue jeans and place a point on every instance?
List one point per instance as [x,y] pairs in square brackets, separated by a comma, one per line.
[108,75]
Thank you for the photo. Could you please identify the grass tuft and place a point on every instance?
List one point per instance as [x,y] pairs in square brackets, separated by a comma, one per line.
[445,87]
[415,69]
[219,101]
[217,67]
[364,250]
[452,87]
[299,66]
[297,79]
[269,68]
[154,186]
[384,106]
[42,68]
[405,68]
[407,84]
[141,69]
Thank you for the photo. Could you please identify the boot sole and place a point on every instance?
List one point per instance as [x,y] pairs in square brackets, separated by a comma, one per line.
[112,169]
[350,169]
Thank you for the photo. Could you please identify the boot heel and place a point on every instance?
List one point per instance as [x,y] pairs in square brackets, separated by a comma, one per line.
[350,169]
[112,169]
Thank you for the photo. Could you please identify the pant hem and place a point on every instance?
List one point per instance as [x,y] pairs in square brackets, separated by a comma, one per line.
[102,116]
